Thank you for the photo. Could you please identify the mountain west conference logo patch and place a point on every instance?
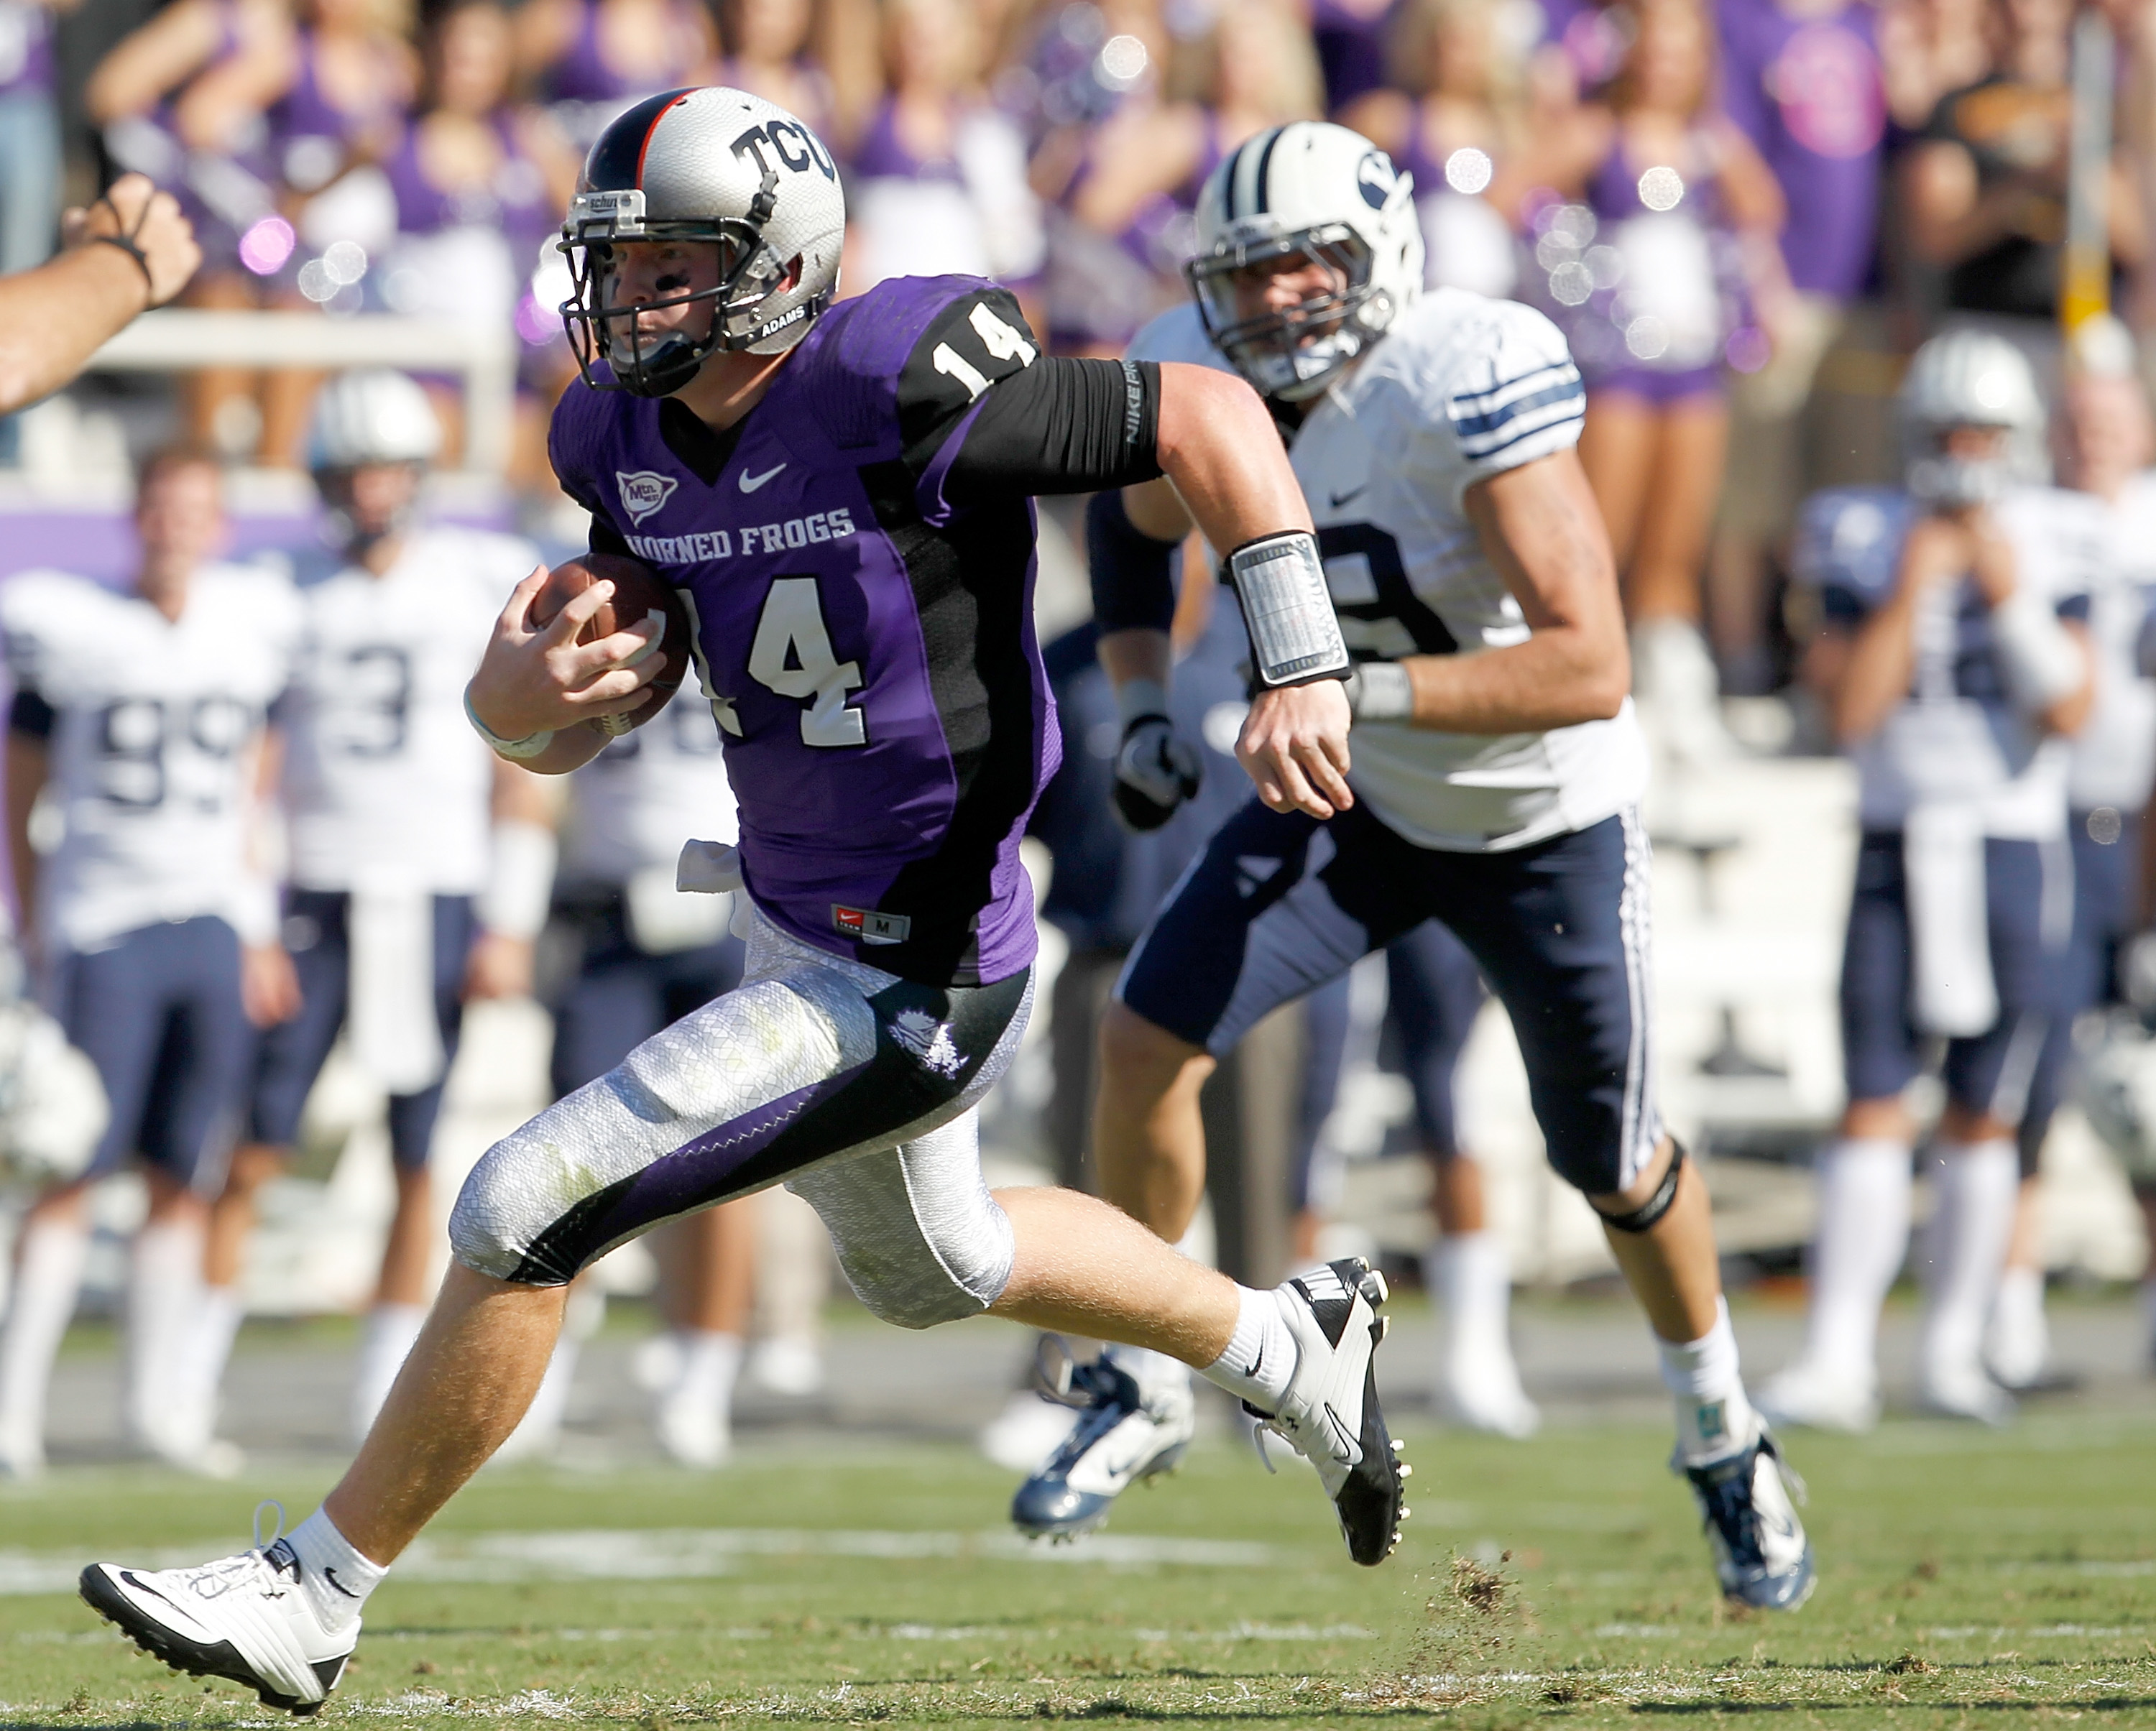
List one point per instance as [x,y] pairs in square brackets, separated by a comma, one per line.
[643,491]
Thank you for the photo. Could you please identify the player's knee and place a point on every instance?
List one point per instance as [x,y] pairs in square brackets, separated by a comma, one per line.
[491,1227]
[1140,1057]
[916,1250]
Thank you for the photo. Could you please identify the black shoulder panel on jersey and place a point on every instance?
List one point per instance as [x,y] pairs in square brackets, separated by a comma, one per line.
[977,339]
[616,163]
[30,716]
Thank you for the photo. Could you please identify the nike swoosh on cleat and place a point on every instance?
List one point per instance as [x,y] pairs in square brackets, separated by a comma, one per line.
[749,483]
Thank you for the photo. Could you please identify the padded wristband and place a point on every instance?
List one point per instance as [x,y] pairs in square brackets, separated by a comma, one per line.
[1295,638]
[1381,691]
[530,746]
[2039,656]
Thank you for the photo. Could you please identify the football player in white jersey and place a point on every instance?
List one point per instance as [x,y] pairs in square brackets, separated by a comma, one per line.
[138,714]
[419,864]
[1952,674]
[646,955]
[2107,442]
[1497,769]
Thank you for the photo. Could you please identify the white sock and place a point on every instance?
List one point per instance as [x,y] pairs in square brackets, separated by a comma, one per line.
[164,1297]
[1977,1186]
[218,1318]
[335,1578]
[385,1342]
[1713,1417]
[1261,1354]
[1151,1370]
[1471,1277]
[2017,1339]
[1857,1250]
[709,1363]
[48,1277]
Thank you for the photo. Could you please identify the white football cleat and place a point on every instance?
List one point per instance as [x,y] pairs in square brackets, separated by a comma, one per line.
[1487,1396]
[1329,1414]
[1963,1392]
[692,1431]
[1123,1433]
[1808,1395]
[788,1367]
[1762,1557]
[246,1618]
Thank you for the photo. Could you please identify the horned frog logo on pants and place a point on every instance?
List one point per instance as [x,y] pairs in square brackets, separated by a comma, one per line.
[929,1041]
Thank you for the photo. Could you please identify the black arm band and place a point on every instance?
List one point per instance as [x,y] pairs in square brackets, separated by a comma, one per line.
[30,716]
[1133,574]
[1642,1218]
[1062,425]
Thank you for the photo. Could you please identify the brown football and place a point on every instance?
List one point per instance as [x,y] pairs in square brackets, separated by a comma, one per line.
[638,593]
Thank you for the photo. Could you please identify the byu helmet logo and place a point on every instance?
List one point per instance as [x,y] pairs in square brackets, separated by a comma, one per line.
[1375,179]
[643,491]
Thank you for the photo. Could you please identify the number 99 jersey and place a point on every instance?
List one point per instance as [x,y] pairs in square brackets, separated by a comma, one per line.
[1461,388]
[148,722]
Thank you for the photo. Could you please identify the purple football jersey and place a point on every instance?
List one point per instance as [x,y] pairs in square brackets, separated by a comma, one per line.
[866,643]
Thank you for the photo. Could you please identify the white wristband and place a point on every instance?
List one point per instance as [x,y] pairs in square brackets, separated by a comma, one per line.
[254,909]
[1381,691]
[1135,698]
[530,746]
[520,879]
[2041,661]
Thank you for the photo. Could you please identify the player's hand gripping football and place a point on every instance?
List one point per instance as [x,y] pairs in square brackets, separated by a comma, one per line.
[540,679]
[1294,746]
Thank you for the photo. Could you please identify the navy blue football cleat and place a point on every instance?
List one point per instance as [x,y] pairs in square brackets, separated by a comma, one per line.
[1761,1554]
[1124,1434]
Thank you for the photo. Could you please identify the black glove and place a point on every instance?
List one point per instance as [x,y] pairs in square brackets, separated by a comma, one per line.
[1155,772]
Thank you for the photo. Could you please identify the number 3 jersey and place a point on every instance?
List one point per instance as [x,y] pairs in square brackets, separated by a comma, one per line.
[385,783]
[1460,389]
[858,556]
[149,723]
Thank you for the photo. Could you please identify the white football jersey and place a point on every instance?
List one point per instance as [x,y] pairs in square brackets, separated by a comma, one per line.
[2114,755]
[1461,388]
[384,780]
[1959,734]
[633,805]
[152,724]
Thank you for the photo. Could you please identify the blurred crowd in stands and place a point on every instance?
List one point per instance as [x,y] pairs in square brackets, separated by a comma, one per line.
[1742,211]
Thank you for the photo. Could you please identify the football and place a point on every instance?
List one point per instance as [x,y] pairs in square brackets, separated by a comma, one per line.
[639,592]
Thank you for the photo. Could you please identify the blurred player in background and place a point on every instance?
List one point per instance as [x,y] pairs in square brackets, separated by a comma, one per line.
[1952,680]
[138,715]
[1433,436]
[419,864]
[2106,445]
[646,955]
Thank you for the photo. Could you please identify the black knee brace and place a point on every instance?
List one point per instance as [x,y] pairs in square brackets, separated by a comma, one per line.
[1642,1218]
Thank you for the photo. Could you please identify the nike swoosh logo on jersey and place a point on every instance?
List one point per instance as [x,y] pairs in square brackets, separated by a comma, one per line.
[749,484]
[1350,496]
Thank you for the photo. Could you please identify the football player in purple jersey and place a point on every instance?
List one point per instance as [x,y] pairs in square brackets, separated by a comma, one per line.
[843,495]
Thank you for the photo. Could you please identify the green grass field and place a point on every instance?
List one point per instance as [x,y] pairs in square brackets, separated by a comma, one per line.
[1966,1579]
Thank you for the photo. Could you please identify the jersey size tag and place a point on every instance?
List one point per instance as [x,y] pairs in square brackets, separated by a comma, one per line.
[870,927]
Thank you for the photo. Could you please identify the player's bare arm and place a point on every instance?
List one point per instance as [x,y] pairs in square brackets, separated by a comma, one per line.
[29,765]
[539,679]
[1539,526]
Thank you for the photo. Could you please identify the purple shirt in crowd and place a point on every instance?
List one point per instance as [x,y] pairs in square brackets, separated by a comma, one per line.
[1808,93]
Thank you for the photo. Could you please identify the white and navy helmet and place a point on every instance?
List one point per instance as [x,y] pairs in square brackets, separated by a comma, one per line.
[714,164]
[1970,378]
[371,416]
[1312,188]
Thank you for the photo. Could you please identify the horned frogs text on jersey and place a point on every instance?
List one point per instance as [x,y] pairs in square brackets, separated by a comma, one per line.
[2114,755]
[383,776]
[633,805]
[150,721]
[1461,388]
[1957,736]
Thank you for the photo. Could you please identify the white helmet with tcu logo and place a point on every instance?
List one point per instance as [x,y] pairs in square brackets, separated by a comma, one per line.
[1320,193]
[714,164]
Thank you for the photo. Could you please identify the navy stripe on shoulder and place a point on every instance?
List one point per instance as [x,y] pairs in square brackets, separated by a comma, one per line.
[1542,424]
[1475,428]
[1487,398]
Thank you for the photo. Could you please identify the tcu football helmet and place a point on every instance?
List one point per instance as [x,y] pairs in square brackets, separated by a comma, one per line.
[1320,193]
[1970,378]
[372,415]
[713,165]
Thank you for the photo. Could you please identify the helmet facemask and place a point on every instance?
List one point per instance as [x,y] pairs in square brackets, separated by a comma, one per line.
[602,329]
[1290,354]
[1945,479]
